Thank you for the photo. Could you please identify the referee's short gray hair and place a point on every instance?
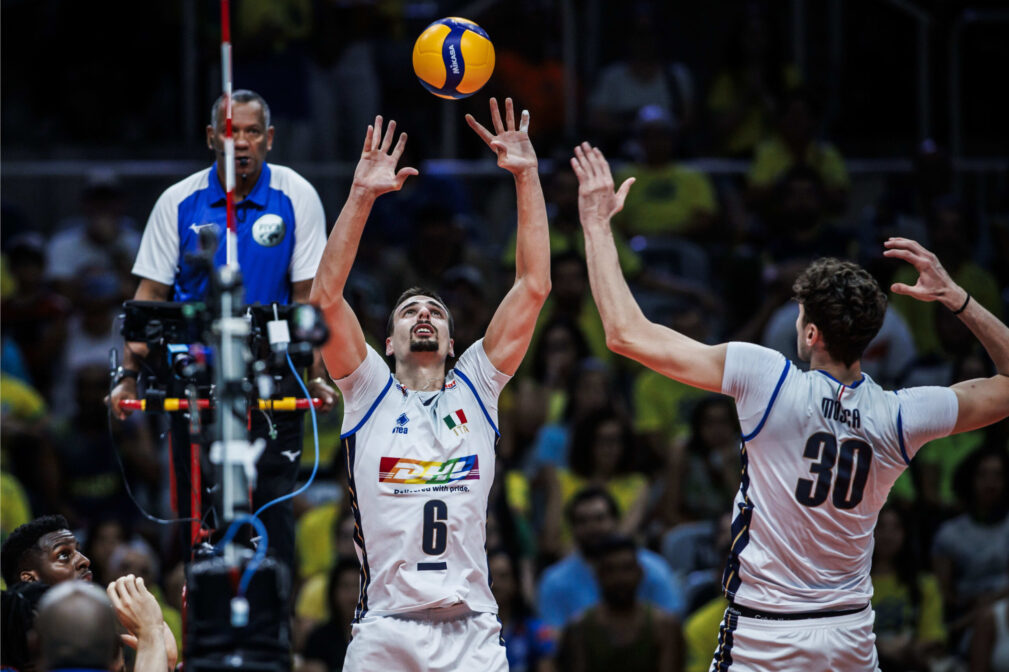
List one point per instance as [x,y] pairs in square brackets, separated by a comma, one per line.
[76,626]
[241,96]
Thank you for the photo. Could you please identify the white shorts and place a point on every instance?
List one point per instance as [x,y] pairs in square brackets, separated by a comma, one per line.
[836,643]
[433,640]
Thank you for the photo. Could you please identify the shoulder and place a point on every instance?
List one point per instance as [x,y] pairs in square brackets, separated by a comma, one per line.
[289,181]
[652,561]
[186,187]
[559,572]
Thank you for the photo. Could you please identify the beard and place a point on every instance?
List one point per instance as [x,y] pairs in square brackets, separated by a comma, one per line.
[426,345]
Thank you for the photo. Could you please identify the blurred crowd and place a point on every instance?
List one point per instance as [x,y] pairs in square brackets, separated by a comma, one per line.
[614,484]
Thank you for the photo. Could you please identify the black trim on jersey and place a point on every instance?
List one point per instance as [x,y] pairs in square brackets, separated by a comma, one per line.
[723,654]
[478,400]
[900,438]
[362,600]
[740,532]
[431,566]
[770,403]
[374,405]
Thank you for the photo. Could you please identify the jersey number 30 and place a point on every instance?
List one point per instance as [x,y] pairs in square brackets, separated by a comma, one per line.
[852,462]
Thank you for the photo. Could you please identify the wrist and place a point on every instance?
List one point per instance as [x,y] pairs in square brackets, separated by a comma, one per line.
[527,173]
[123,374]
[958,307]
[363,192]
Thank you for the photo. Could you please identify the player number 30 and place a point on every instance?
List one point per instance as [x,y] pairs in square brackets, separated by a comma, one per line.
[852,459]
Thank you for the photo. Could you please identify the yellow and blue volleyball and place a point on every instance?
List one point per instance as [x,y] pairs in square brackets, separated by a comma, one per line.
[453,58]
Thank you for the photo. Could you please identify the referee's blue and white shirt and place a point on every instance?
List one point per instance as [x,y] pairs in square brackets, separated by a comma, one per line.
[281,234]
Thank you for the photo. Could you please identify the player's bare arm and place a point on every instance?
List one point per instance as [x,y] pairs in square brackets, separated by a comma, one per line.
[511,328]
[375,175]
[628,331]
[981,401]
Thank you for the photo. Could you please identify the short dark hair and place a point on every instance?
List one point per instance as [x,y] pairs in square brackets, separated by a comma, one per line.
[23,541]
[845,302]
[419,291]
[589,493]
[241,96]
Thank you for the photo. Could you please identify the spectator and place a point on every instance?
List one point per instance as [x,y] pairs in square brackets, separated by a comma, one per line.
[569,587]
[953,231]
[747,90]
[26,445]
[970,553]
[797,226]
[19,609]
[327,642]
[44,550]
[76,628]
[989,646]
[102,238]
[703,472]
[621,632]
[35,316]
[103,537]
[909,630]
[794,144]
[602,454]
[643,79]
[528,643]
[669,198]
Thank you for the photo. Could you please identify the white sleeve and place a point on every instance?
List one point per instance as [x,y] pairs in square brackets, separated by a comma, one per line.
[487,380]
[361,388]
[309,229]
[158,256]
[926,413]
[751,377]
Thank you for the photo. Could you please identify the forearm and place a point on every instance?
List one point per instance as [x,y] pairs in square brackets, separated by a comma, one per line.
[988,329]
[617,307]
[341,248]
[151,654]
[532,247]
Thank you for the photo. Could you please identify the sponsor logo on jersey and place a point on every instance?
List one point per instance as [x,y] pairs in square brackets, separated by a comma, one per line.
[456,421]
[269,230]
[415,472]
[401,427]
[196,228]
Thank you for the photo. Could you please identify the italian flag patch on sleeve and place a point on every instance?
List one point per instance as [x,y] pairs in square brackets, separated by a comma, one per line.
[455,419]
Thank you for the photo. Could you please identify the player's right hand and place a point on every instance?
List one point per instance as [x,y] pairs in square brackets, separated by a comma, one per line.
[597,201]
[126,389]
[376,172]
[934,283]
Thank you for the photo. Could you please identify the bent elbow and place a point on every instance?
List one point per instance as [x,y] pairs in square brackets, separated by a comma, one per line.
[617,340]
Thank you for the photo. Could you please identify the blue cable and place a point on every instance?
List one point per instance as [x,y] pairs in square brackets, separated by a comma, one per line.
[253,565]
[254,518]
[315,434]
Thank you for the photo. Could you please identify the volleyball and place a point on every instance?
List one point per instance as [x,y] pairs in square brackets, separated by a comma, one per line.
[453,58]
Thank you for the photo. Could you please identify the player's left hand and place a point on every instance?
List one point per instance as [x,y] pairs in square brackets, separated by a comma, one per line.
[934,283]
[320,389]
[597,201]
[514,150]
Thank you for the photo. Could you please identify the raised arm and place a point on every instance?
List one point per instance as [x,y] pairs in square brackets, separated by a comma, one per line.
[511,328]
[981,401]
[375,175]
[628,331]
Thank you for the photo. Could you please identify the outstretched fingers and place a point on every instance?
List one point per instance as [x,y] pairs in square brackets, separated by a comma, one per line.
[367,139]
[495,117]
[484,134]
[400,147]
[509,114]
[524,122]
[390,133]
[376,136]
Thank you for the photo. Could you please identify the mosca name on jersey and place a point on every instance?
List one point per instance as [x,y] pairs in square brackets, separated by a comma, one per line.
[406,470]
[832,410]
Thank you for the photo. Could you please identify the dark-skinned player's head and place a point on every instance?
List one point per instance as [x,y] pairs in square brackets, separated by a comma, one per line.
[617,570]
[43,550]
[420,322]
[843,303]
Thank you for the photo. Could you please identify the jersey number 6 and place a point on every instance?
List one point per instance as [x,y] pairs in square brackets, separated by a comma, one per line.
[435,535]
[852,471]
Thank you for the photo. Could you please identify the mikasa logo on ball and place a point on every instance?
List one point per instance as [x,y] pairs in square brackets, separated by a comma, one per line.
[269,230]
[455,61]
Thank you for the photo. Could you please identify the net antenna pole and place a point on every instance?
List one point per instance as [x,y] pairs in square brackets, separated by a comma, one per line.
[229,139]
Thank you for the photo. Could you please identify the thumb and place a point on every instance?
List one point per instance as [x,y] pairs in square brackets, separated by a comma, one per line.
[624,189]
[499,147]
[129,640]
[901,288]
[403,174]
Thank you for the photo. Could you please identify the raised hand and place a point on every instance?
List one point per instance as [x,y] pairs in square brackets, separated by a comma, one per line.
[597,201]
[934,283]
[376,170]
[139,612]
[514,150]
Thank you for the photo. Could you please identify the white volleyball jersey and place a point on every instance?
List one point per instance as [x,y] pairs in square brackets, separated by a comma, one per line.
[420,467]
[818,460]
